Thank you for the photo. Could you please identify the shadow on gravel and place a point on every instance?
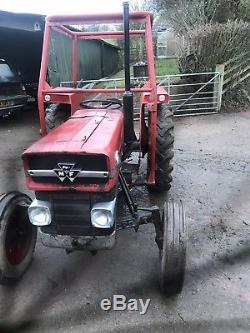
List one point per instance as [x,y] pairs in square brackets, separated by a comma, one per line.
[77,315]
[31,313]
[19,119]
[31,319]
[190,326]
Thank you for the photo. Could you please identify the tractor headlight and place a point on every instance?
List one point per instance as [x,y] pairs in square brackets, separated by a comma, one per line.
[47,98]
[40,213]
[117,158]
[102,214]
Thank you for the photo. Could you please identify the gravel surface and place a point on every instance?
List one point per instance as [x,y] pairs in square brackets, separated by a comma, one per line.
[62,293]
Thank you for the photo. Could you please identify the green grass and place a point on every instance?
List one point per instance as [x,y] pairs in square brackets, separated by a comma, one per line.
[162,66]
[166,66]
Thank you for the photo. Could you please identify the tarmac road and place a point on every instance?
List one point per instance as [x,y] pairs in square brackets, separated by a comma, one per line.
[62,293]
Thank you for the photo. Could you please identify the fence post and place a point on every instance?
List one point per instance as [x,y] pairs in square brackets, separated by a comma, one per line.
[168,80]
[218,86]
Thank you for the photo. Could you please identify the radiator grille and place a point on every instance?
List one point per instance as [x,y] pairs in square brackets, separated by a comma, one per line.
[81,162]
[71,213]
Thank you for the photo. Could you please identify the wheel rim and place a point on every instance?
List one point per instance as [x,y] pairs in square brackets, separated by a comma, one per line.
[18,237]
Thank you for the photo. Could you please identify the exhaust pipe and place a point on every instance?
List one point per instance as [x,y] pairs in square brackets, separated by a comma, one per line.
[128,102]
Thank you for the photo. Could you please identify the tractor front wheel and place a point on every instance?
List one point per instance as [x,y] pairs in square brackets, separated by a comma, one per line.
[17,236]
[173,249]
[55,115]
[164,150]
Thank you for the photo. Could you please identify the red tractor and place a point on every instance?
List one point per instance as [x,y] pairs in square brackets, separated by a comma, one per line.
[79,169]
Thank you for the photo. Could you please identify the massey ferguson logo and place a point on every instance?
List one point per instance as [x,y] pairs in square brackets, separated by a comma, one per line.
[66,171]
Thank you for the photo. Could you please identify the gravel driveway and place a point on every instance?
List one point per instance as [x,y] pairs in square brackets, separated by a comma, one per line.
[62,293]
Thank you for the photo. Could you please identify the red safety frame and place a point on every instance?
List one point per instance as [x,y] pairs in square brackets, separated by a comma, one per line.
[73,96]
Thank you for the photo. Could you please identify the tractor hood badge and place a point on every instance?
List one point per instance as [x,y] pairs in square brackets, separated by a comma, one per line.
[66,171]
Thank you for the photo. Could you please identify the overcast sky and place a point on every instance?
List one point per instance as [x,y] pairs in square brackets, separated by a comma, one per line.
[61,6]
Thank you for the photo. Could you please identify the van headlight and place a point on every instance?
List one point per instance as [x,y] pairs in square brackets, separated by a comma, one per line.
[40,213]
[102,214]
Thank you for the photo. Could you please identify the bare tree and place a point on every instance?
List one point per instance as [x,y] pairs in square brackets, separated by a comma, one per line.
[180,14]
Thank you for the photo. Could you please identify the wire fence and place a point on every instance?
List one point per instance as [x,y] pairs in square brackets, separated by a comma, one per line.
[236,71]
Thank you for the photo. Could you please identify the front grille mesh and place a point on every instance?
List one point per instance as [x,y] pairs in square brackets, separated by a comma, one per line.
[71,213]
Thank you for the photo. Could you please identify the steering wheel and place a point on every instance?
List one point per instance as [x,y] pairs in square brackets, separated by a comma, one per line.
[103,103]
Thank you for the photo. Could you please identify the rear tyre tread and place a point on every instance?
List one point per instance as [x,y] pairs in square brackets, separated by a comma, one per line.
[164,150]
[55,115]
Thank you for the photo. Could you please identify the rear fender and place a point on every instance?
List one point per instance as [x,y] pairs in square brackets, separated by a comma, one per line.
[73,99]
[162,96]
[148,133]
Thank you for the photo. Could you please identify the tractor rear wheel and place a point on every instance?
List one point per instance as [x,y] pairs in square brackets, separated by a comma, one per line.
[164,150]
[173,250]
[55,115]
[17,236]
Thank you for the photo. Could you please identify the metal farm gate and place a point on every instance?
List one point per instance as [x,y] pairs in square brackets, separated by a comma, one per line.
[190,94]
[194,93]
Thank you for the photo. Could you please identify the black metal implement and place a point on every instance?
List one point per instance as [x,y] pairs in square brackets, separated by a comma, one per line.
[126,45]
[128,101]
[129,200]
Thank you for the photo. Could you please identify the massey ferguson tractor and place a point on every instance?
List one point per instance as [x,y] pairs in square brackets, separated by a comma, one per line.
[79,170]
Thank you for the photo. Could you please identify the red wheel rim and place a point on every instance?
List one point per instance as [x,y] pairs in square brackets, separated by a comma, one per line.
[18,237]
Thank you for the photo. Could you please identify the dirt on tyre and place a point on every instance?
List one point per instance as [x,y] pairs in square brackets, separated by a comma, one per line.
[164,149]
[173,251]
[55,115]
[17,236]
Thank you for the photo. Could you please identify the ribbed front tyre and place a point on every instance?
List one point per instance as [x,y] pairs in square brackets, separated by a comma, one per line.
[173,250]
